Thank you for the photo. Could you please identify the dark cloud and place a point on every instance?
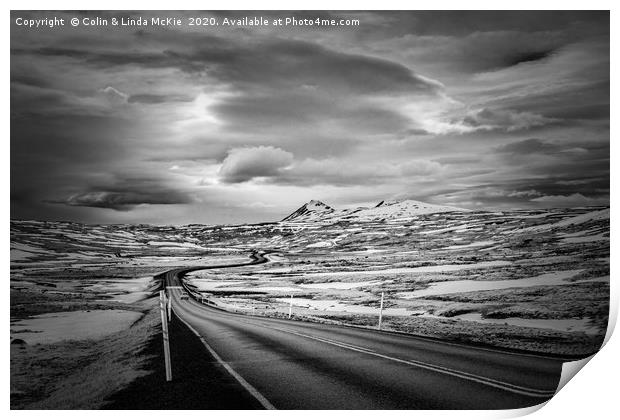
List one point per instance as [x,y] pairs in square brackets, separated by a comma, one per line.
[527,57]
[106,59]
[532,193]
[31,79]
[529,146]
[415,132]
[126,194]
[280,62]
[584,98]
[343,172]
[518,189]
[585,157]
[576,111]
[463,22]
[572,200]
[147,98]
[312,64]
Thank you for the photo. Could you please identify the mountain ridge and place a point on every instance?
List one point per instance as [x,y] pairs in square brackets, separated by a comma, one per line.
[317,211]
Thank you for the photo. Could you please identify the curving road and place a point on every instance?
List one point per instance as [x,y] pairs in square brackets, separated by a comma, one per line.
[288,364]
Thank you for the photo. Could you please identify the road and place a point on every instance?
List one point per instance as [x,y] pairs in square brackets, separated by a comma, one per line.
[289,364]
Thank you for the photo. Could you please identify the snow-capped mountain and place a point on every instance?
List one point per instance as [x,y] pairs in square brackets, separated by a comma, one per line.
[402,210]
[311,211]
[316,211]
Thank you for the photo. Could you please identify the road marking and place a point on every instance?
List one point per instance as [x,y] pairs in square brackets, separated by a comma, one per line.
[174,287]
[253,391]
[427,339]
[465,346]
[532,392]
[506,386]
[436,368]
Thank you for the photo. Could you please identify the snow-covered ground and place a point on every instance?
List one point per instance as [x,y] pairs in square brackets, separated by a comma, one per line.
[339,306]
[123,290]
[76,325]
[340,285]
[464,286]
[412,270]
[568,325]
[426,258]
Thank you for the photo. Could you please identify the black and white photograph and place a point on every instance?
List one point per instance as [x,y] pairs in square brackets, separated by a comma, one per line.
[306,210]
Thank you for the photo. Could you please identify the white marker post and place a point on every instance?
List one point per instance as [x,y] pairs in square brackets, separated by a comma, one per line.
[169,301]
[164,329]
[381,310]
[290,308]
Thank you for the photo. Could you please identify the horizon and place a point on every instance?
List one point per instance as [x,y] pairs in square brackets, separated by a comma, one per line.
[301,206]
[144,125]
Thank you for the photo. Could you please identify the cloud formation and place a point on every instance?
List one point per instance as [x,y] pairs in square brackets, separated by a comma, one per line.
[245,164]
[127,194]
[572,200]
[529,146]
[149,98]
[503,119]
[479,109]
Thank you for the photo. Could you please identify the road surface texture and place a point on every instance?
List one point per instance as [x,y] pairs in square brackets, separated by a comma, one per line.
[289,364]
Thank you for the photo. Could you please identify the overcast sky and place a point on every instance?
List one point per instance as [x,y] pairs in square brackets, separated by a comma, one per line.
[483,110]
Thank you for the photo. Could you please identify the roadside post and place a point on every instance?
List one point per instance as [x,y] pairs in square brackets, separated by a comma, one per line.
[290,308]
[169,302]
[381,310]
[164,328]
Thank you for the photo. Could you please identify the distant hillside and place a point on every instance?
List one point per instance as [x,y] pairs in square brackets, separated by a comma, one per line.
[317,211]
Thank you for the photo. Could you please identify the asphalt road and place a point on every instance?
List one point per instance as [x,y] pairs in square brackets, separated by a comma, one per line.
[288,364]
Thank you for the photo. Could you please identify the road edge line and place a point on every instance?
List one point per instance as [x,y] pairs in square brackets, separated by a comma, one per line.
[245,384]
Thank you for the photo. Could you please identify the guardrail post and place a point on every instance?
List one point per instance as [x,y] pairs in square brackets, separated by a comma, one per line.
[290,308]
[381,310]
[164,329]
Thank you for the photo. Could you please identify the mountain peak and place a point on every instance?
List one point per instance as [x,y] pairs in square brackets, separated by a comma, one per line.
[316,203]
[311,209]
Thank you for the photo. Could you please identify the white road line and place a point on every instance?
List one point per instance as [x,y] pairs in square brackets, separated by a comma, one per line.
[253,391]
[517,389]
[501,351]
[174,287]
[465,346]
[452,372]
[447,343]
[506,386]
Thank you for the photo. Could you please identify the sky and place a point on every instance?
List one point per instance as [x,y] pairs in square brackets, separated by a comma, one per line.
[203,124]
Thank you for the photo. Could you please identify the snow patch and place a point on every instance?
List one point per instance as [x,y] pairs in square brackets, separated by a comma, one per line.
[76,325]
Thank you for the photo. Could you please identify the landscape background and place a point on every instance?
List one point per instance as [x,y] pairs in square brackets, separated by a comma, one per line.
[529,280]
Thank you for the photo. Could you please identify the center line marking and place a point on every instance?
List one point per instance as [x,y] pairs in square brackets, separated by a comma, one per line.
[506,386]
[517,389]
